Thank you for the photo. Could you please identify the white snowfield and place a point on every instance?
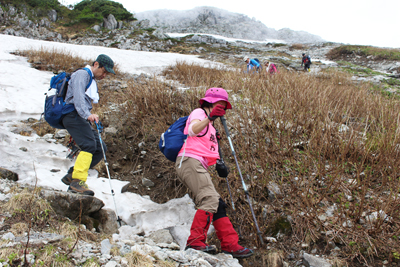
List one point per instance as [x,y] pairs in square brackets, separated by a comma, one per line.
[180,35]
[22,91]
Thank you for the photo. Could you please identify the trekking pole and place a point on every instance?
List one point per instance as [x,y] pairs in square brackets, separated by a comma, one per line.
[221,160]
[223,120]
[99,130]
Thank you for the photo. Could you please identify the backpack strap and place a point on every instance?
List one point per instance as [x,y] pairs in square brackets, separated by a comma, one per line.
[208,125]
[184,145]
[90,75]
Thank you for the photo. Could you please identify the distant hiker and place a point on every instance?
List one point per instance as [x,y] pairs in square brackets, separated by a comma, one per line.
[200,152]
[270,67]
[252,64]
[78,123]
[306,60]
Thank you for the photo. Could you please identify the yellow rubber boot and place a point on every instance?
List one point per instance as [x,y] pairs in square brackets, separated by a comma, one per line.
[82,165]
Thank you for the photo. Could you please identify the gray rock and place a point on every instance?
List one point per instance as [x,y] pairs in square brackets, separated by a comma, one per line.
[52,15]
[60,134]
[312,261]
[110,23]
[40,238]
[9,175]
[71,205]
[147,182]
[107,220]
[9,236]
[23,23]
[159,33]
[161,236]
[111,130]
[144,24]
[97,28]
[111,264]
[12,11]
[273,190]
[105,247]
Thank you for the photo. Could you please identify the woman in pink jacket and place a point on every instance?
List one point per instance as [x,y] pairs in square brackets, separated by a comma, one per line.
[200,152]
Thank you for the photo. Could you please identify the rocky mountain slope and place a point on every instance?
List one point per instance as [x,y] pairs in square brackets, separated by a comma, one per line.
[213,20]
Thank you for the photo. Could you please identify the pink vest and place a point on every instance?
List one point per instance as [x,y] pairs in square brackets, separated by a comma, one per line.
[206,146]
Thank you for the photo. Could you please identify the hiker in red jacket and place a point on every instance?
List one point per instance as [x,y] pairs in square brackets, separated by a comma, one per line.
[198,153]
[270,67]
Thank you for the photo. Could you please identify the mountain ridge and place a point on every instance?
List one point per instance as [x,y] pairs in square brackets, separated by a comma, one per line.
[212,20]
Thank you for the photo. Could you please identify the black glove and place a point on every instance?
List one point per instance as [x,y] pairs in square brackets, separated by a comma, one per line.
[222,169]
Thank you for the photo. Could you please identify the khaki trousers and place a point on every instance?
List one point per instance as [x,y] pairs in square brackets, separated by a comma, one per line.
[193,175]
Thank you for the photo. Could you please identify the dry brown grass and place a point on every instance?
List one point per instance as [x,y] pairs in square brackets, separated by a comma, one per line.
[57,59]
[326,141]
[21,203]
[298,47]
[274,259]
[137,259]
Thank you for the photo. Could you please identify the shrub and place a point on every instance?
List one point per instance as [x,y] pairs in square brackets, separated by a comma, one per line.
[95,10]
[364,51]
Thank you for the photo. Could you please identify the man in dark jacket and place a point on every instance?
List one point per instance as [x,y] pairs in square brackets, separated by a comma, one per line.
[79,122]
[306,60]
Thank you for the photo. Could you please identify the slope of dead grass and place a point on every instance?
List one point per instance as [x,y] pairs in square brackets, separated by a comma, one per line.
[331,146]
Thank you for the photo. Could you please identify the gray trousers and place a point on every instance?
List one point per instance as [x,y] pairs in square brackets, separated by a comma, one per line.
[84,136]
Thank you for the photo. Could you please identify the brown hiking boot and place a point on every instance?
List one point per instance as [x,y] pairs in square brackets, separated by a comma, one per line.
[67,179]
[80,187]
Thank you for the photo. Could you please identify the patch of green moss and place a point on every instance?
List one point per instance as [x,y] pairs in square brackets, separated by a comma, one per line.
[279,225]
[357,70]
[392,81]
[278,45]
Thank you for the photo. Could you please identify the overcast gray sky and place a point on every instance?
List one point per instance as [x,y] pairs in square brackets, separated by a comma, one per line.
[364,22]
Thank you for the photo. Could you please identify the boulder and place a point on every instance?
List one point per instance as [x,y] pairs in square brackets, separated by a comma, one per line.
[159,33]
[144,24]
[71,205]
[7,174]
[12,11]
[107,221]
[161,236]
[52,15]
[44,22]
[110,23]
[97,28]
